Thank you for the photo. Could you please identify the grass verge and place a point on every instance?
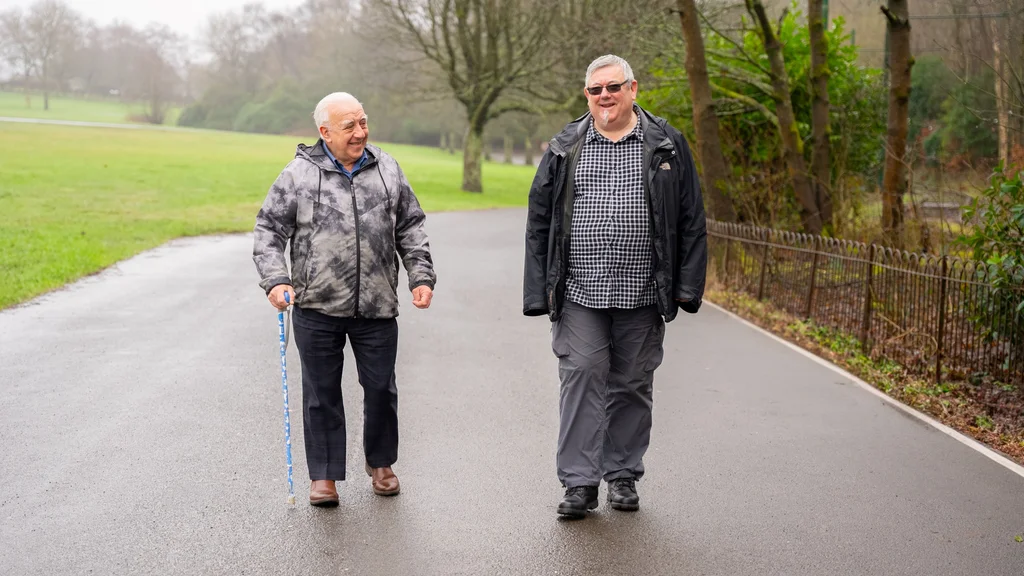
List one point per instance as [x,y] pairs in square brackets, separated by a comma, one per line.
[16,105]
[76,200]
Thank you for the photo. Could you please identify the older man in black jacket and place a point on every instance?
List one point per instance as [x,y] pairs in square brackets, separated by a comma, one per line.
[615,244]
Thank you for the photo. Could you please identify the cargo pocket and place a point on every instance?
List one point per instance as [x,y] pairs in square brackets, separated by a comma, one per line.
[559,340]
[654,347]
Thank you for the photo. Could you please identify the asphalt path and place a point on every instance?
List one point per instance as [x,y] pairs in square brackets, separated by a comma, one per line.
[141,427]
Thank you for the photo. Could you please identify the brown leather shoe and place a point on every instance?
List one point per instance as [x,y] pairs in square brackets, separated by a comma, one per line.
[384,481]
[323,493]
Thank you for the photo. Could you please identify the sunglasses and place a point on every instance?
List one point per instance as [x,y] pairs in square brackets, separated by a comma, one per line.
[612,88]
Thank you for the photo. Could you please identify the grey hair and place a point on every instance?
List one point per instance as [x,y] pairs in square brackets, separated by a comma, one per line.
[320,115]
[606,61]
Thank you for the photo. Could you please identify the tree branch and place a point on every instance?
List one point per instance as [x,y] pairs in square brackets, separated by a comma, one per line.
[738,76]
[742,50]
[977,115]
[984,91]
[764,110]
[513,106]
[893,19]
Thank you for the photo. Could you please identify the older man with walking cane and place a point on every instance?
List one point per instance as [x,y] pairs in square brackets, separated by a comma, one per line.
[349,215]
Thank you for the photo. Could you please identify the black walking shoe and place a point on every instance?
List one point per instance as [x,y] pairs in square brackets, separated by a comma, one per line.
[622,494]
[577,501]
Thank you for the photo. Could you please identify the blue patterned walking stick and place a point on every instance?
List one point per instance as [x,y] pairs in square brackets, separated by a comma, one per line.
[282,332]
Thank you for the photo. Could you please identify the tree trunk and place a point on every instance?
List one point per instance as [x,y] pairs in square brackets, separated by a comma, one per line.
[1002,93]
[28,95]
[790,135]
[894,183]
[1016,30]
[709,144]
[472,157]
[821,165]
[157,107]
[528,152]
[46,89]
[509,149]
[958,7]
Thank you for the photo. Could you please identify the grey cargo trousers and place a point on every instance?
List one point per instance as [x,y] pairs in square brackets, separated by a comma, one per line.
[606,363]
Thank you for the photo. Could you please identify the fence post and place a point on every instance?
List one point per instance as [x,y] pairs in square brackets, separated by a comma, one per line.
[764,267]
[814,279]
[942,320]
[865,328]
[725,265]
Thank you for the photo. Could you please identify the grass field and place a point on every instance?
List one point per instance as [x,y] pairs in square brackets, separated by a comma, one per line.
[12,104]
[75,200]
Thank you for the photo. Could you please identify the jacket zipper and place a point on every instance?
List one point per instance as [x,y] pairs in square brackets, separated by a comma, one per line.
[650,157]
[312,225]
[355,214]
[655,160]
[565,232]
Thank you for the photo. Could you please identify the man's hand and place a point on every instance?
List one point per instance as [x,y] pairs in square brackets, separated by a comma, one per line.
[421,296]
[276,296]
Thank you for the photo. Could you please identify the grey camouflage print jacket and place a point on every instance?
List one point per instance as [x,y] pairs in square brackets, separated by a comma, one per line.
[346,237]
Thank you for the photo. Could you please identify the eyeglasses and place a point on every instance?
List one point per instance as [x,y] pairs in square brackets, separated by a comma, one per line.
[612,88]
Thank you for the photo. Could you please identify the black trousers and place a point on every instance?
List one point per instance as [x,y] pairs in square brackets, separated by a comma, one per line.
[320,340]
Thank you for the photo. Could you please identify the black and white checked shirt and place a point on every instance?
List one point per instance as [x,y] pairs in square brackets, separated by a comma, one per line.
[610,253]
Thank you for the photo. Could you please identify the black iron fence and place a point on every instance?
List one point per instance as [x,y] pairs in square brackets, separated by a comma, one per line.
[937,316]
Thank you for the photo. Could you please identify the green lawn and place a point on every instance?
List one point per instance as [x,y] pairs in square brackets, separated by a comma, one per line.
[75,200]
[12,104]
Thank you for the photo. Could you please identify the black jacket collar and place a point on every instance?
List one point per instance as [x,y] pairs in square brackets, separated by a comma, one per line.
[655,134]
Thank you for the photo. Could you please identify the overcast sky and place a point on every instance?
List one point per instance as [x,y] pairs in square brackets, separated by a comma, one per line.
[184,16]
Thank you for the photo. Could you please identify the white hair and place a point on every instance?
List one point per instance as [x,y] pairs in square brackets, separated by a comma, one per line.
[320,115]
[606,61]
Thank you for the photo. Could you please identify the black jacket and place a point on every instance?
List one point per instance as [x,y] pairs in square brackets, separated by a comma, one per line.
[678,225]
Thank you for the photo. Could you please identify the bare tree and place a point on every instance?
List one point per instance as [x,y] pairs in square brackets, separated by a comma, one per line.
[71,42]
[999,65]
[996,44]
[286,45]
[118,46]
[587,29]
[237,41]
[789,133]
[1015,78]
[48,23]
[17,48]
[331,27]
[984,36]
[821,166]
[486,50]
[155,70]
[705,118]
[86,62]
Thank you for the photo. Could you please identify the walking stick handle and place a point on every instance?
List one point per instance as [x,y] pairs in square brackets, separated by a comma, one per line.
[285,317]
